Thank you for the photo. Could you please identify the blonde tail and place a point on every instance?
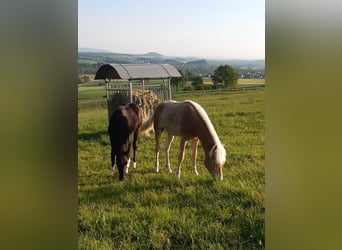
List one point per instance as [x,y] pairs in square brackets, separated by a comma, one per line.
[147,125]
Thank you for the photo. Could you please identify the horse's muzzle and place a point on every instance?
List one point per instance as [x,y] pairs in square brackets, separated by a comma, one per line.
[217,175]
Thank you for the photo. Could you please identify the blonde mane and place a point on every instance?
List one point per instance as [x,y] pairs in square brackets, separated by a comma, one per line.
[221,152]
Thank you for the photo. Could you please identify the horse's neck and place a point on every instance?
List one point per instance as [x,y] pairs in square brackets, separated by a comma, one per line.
[207,139]
[206,131]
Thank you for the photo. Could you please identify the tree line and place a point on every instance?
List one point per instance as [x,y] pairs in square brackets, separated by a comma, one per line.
[223,77]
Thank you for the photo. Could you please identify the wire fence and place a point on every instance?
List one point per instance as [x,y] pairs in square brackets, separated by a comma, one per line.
[231,89]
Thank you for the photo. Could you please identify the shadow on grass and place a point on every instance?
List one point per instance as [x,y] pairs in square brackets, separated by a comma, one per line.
[163,186]
[95,136]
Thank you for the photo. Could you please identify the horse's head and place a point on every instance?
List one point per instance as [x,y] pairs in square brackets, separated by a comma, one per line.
[122,159]
[215,160]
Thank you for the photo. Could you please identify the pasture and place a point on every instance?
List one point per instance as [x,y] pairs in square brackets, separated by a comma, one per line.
[156,210]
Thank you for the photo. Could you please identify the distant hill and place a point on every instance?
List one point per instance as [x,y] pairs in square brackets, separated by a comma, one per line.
[89,60]
[93,50]
[198,63]
[152,54]
[241,64]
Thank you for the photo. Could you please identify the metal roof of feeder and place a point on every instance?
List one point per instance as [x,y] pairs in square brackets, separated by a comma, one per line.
[136,71]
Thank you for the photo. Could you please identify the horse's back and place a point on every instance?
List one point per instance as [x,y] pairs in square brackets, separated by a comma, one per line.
[174,117]
[172,109]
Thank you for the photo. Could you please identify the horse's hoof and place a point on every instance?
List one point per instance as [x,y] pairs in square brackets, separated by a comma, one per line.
[169,170]
[134,164]
[156,170]
[178,175]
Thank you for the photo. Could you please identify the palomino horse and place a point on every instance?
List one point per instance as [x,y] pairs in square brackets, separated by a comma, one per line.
[124,121]
[189,121]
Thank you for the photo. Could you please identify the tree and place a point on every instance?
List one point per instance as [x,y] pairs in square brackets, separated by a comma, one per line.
[179,82]
[197,82]
[226,75]
[83,79]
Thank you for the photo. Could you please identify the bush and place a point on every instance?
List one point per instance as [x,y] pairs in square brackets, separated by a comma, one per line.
[188,88]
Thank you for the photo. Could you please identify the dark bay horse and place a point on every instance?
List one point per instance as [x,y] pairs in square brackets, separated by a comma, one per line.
[189,121]
[124,121]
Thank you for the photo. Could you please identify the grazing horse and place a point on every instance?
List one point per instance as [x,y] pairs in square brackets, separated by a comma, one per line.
[189,121]
[124,121]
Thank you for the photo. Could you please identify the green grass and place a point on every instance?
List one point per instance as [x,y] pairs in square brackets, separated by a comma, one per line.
[155,210]
[243,81]
[91,93]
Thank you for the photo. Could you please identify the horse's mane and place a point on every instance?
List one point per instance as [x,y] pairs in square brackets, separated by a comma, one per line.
[221,152]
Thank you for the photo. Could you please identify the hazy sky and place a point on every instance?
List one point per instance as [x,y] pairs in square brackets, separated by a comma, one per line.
[229,29]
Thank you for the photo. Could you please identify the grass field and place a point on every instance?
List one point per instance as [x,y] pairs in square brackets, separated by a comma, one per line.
[157,211]
[91,94]
[242,81]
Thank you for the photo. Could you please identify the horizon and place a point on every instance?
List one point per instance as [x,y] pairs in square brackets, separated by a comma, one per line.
[100,50]
[218,29]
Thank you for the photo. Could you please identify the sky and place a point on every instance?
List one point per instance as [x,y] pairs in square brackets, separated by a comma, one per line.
[208,29]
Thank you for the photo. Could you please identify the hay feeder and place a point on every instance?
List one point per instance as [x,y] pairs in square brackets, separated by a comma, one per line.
[143,84]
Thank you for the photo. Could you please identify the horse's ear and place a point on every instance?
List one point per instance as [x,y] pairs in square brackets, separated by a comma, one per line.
[134,107]
[213,150]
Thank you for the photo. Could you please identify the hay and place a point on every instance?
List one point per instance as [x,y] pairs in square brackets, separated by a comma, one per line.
[146,100]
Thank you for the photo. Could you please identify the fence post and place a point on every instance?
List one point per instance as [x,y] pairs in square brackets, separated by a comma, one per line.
[169,86]
[108,96]
[165,90]
[130,91]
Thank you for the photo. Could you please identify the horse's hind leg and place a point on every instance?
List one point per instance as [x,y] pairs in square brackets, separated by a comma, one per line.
[135,147]
[157,137]
[194,155]
[112,156]
[168,142]
[181,157]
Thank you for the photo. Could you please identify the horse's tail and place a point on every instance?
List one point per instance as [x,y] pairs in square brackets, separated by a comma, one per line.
[147,125]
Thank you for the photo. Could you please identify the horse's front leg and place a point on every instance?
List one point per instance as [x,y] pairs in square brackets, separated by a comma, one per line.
[135,147]
[168,142]
[194,155]
[126,167]
[180,157]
